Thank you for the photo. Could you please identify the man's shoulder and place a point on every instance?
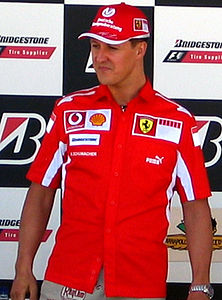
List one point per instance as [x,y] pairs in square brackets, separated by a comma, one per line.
[170,105]
[79,95]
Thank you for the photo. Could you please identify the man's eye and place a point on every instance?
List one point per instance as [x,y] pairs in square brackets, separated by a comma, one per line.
[94,45]
[113,48]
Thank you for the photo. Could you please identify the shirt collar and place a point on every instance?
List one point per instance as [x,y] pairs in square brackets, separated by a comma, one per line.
[103,92]
[147,91]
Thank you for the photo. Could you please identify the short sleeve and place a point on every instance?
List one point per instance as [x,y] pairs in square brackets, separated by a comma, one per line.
[46,168]
[192,180]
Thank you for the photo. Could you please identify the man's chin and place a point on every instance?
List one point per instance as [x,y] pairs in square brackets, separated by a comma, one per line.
[104,81]
[104,77]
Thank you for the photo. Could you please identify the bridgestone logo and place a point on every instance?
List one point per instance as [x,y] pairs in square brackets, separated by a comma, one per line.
[8,222]
[24,40]
[208,52]
[198,44]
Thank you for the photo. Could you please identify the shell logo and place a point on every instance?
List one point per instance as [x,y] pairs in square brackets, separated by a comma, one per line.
[97,119]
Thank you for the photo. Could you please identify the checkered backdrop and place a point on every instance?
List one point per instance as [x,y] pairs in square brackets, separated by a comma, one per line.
[42,60]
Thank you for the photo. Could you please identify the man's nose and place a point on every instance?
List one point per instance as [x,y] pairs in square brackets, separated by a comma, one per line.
[101,55]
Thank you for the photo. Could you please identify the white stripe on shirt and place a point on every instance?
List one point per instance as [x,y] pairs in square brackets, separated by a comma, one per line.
[183,174]
[55,164]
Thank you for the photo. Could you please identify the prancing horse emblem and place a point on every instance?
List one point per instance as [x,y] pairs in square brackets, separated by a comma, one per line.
[146,125]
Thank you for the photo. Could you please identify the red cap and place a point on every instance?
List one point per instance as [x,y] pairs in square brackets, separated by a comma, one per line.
[118,23]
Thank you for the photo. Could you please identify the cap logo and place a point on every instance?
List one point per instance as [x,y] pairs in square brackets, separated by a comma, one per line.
[141,25]
[108,12]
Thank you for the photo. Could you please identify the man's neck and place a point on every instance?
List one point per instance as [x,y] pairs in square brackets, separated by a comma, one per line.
[125,92]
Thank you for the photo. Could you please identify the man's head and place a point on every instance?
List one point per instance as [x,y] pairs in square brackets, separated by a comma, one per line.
[118,23]
[117,37]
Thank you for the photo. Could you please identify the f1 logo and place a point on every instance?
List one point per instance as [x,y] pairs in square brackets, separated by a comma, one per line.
[212,141]
[14,132]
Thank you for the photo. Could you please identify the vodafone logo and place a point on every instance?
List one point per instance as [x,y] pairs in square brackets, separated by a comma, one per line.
[19,141]
[75,119]
[210,132]
[108,12]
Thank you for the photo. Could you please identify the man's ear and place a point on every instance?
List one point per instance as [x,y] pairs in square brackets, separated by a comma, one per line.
[142,47]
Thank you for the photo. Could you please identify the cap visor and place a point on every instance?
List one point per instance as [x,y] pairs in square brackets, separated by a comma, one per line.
[101,38]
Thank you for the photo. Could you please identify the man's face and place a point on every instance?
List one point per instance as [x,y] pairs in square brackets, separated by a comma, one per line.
[114,64]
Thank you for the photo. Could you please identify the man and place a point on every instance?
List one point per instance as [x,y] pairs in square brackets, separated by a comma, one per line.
[119,151]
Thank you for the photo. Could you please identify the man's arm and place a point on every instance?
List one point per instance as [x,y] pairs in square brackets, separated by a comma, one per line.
[197,218]
[34,220]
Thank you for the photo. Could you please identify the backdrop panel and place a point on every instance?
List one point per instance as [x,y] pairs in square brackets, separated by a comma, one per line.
[209,3]
[11,203]
[209,120]
[22,125]
[31,49]
[188,52]
[37,1]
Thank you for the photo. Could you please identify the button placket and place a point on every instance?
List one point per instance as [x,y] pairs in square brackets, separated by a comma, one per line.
[112,200]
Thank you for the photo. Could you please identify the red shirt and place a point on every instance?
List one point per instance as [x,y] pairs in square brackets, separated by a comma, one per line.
[118,171]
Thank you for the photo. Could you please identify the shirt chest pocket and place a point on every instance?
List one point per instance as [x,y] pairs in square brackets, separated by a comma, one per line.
[152,160]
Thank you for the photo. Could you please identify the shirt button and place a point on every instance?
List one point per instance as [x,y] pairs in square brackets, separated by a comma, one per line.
[116,174]
[108,230]
[112,203]
[119,146]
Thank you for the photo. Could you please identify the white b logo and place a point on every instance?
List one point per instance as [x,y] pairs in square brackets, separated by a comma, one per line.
[13,128]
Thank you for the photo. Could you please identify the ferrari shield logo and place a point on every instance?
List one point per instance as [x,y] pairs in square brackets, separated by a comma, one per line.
[138,24]
[146,125]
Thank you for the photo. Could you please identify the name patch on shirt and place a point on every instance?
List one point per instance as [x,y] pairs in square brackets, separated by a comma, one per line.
[159,128]
[99,119]
[84,139]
